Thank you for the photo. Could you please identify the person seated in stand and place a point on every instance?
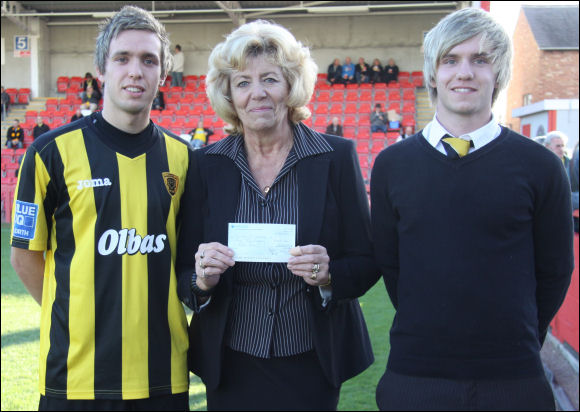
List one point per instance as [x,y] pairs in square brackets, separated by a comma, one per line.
[90,81]
[407,132]
[334,74]
[15,136]
[200,136]
[334,128]
[378,120]
[40,127]
[362,71]
[376,72]
[78,115]
[348,71]
[90,100]
[391,72]
[159,101]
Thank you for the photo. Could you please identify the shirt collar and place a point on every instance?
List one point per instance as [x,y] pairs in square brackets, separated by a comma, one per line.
[435,131]
[307,142]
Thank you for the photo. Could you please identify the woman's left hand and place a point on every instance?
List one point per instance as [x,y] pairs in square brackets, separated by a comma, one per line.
[311,262]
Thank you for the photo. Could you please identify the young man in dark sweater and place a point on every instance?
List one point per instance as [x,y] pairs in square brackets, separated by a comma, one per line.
[474,243]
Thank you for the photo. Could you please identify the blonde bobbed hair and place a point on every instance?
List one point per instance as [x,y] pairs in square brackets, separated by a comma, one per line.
[279,47]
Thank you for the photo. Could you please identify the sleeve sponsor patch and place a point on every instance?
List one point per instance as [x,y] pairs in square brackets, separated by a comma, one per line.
[25,215]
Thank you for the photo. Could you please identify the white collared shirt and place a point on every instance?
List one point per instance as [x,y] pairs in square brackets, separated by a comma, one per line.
[434,131]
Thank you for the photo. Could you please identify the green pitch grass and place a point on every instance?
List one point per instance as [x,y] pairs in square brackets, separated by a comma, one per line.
[20,336]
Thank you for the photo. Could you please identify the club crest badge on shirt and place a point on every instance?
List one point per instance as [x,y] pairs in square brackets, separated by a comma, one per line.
[171,182]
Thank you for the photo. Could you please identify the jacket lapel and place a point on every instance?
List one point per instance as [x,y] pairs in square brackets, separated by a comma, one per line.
[312,181]
[223,188]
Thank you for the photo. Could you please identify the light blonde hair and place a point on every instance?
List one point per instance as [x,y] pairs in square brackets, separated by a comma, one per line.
[458,27]
[279,47]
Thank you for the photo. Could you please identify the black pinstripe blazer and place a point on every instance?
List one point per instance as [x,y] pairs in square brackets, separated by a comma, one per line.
[333,212]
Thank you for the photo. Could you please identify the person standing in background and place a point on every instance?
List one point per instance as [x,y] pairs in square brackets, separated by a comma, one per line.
[178,65]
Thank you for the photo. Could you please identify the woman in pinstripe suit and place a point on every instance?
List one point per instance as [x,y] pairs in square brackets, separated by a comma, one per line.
[271,336]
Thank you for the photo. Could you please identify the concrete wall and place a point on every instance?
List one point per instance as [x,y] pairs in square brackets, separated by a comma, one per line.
[71,47]
[15,71]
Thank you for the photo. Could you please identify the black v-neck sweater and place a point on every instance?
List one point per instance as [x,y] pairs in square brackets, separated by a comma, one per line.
[476,254]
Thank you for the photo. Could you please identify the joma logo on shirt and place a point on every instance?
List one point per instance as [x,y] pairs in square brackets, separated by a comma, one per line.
[83,184]
[128,241]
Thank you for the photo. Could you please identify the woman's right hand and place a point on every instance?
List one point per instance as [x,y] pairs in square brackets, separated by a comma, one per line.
[211,260]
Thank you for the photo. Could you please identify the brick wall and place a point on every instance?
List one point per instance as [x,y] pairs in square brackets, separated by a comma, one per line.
[545,74]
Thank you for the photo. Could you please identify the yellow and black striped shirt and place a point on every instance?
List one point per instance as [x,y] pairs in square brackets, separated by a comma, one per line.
[104,206]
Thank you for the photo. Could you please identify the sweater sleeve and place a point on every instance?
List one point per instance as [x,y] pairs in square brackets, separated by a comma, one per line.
[384,228]
[553,242]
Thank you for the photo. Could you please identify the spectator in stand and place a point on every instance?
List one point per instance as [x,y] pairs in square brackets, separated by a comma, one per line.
[376,72]
[334,74]
[78,115]
[91,81]
[15,136]
[362,71]
[178,65]
[348,71]
[378,120]
[556,142]
[391,72]
[334,128]
[491,211]
[40,127]
[200,136]
[5,102]
[90,99]
[159,101]
[407,132]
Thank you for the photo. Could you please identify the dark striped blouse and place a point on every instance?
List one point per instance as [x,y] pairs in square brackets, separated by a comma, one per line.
[269,311]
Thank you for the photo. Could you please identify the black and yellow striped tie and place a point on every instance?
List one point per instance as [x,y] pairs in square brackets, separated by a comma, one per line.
[456,147]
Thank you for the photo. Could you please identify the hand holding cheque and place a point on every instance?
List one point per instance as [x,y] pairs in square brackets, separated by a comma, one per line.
[261,243]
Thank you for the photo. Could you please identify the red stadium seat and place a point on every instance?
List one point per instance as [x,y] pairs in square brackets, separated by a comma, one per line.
[364,132]
[365,96]
[322,109]
[62,84]
[167,116]
[352,96]
[394,95]
[24,96]
[30,116]
[323,96]
[408,120]
[365,108]
[363,161]
[349,120]
[378,144]
[409,108]
[336,108]
[351,108]
[409,95]
[321,121]
[362,146]
[13,93]
[380,96]
[52,104]
[337,96]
